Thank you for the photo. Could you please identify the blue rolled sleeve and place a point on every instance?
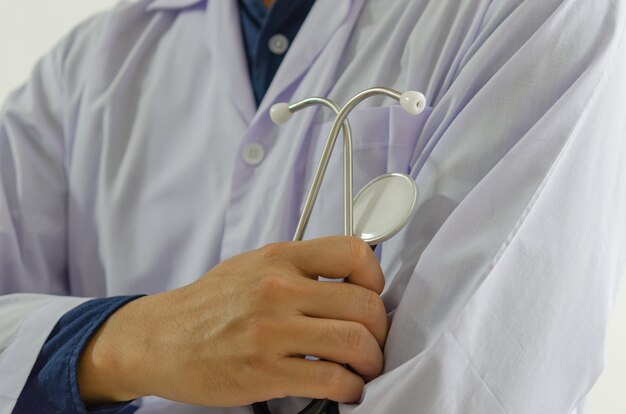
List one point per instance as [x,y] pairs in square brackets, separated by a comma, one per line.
[52,386]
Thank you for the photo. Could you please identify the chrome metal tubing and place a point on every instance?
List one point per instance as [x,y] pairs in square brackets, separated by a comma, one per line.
[323,165]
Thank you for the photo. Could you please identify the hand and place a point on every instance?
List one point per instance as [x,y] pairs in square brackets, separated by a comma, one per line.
[238,335]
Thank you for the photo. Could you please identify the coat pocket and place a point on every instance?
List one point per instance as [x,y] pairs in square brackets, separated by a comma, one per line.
[383,140]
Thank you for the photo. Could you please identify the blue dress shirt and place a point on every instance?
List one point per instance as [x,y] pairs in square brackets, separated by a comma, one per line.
[267,35]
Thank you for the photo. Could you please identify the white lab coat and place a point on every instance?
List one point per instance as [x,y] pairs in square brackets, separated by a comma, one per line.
[122,172]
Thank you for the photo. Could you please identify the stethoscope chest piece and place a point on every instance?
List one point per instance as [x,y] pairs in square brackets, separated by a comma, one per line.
[384,206]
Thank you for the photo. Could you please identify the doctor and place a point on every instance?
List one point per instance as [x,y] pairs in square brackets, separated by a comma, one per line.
[140,155]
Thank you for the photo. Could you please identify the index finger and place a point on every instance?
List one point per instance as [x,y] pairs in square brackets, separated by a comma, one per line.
[337,257]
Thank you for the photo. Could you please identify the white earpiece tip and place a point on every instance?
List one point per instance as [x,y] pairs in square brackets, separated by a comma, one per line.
[413,102]
[280,113]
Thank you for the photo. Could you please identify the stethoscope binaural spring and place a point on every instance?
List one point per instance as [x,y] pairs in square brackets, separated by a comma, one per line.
[382,208]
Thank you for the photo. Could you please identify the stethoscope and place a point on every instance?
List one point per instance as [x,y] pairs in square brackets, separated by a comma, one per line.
[380,209]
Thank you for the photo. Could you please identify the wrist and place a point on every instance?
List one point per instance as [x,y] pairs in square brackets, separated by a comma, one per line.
[109,368]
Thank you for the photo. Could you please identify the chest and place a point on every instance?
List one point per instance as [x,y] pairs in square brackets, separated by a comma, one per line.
[174,170]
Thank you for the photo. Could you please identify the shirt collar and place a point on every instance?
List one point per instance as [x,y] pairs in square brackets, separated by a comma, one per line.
[255,9]
[171,4]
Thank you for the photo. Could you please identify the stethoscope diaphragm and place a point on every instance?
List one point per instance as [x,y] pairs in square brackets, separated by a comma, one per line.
[384,206]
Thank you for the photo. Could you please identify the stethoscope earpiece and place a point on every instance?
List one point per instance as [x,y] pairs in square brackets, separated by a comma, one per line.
[413,102]
[280,113]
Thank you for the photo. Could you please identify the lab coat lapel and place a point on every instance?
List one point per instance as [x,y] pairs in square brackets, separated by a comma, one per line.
[325,20]
[226,46]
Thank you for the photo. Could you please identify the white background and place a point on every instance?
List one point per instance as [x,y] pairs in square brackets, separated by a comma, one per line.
[28,28]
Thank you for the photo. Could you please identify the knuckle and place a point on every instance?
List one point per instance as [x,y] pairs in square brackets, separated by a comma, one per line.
[359,250]
[355,337]
[271,286]
[334,380]
[273,251]
[317,375]
[374,306]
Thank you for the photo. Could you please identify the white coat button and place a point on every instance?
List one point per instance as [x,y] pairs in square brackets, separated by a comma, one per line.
[278,44]
[253,153]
